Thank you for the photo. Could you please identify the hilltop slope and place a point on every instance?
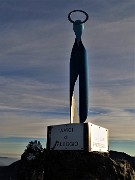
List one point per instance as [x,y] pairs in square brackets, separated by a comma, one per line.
[72,165]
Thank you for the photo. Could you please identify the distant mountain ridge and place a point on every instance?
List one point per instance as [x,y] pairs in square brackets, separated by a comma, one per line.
[9,172]
[5,161]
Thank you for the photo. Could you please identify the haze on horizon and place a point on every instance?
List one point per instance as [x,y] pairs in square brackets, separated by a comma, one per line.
[36,39]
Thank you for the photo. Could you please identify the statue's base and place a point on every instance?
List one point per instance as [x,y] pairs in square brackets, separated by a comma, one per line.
[85,136]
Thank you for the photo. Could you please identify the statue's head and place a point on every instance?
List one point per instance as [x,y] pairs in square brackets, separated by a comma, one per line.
[78,27]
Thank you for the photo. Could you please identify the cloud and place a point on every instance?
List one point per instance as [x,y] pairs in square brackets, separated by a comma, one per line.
[119,122]
[130,110]
[28,107]
[28,125]
[27,95]
[98,111]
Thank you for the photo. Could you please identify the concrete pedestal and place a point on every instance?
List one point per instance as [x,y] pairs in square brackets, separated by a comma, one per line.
[84,136]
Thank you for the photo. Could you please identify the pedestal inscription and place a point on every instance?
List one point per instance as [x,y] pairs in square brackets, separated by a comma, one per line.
[66,137]
[83,136]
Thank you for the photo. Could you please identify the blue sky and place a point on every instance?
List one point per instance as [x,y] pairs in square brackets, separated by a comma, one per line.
[35,45]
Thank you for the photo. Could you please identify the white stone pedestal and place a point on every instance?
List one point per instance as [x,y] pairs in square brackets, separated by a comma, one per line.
[85,136]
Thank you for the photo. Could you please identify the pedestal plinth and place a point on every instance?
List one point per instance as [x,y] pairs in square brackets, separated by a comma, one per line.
[85,136]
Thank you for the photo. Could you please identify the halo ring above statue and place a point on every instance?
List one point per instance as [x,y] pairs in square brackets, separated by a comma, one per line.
[81,22]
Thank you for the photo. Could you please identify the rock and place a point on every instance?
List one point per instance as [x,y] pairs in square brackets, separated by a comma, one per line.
[9,172]
[72,165]
[76,165]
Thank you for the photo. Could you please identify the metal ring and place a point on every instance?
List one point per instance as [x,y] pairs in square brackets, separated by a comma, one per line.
[69,16]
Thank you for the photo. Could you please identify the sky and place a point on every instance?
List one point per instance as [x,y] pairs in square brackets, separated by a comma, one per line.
[36,40]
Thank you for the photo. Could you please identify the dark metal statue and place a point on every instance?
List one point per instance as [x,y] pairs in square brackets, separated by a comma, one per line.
[79,67]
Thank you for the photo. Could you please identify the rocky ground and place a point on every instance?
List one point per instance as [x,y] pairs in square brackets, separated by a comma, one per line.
[89,166]
[72,165]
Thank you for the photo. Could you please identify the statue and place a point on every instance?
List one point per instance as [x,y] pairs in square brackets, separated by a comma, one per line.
[78,67]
